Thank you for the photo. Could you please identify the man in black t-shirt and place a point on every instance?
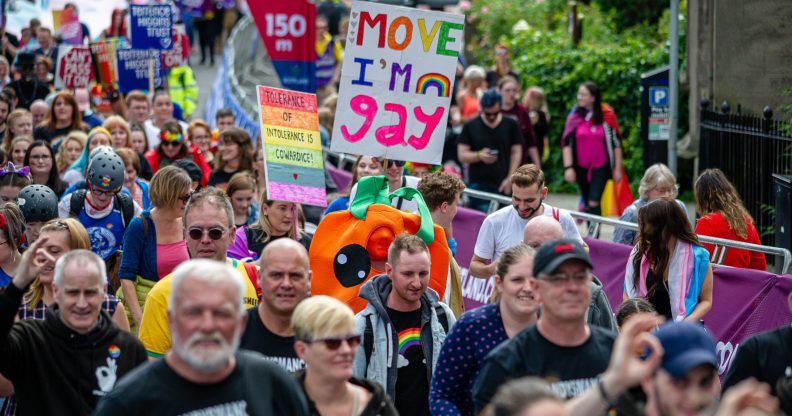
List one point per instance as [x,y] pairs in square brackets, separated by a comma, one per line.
[766,357]
[492,145]
[285,280]
[561,347]
[403,327]
[204,373]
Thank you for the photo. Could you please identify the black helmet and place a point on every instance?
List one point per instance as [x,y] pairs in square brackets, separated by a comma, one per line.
[105,171]
[38,203]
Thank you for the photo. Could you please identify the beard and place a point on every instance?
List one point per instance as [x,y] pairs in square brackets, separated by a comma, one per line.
[205,359]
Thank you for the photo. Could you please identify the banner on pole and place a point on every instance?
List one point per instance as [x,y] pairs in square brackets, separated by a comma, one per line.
[288,30]
[396,82]
[74,68]
[292,147]
[104,61]
[150,26]
[133,69]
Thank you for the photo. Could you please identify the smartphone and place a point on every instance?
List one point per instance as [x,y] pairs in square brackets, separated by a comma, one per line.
[493,152]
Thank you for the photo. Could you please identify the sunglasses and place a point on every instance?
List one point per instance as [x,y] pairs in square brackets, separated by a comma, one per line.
[334,343]
[174,144]
[491,115]
[186,197]
[398,163]
[198,233]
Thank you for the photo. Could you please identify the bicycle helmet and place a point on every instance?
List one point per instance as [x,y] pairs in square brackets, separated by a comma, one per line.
[38,203]
[105,171]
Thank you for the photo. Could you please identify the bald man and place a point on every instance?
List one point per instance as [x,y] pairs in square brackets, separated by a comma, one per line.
[543,228]
[285,280]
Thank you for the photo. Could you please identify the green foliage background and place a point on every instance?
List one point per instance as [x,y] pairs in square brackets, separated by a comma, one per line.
[610,53]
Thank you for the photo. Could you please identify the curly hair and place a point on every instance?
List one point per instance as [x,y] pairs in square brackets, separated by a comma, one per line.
[714,193]
[440,187]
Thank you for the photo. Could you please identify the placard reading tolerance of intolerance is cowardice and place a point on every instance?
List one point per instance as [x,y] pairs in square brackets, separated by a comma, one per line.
[396,82]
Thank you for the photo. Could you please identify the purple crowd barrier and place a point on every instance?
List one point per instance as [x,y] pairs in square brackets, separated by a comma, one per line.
[744,301]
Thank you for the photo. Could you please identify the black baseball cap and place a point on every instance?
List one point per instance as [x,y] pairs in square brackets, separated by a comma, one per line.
[555,252]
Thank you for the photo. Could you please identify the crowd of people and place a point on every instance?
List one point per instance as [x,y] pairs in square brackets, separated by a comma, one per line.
[143,269]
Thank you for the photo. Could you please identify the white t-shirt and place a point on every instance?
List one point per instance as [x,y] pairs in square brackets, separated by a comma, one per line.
[401,204]
[153,132]
[504,229]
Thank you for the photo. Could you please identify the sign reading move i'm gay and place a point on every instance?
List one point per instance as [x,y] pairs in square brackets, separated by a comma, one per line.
[396,82]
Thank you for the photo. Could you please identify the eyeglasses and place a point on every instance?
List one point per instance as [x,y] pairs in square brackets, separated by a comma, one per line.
[334,343]
[99,192]
[186,197]
[40,157]
[198,233]
[397,163]
[561,278]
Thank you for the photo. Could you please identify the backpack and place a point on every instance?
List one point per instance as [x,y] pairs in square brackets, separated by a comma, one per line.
[121,202]
[368,333]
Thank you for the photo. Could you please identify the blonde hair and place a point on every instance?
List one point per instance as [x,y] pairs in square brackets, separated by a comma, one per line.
[60,157]
[117,121]
[537,96]
[10,120]
[241,181]
[322,316]
[264,225]
[129,157]
[78,240]
[168,185]
[653,176]
[16,140]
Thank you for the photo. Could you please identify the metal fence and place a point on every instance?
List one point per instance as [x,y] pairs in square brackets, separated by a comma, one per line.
[749,149]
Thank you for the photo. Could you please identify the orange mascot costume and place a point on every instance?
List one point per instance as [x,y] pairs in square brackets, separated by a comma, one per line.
[349,247]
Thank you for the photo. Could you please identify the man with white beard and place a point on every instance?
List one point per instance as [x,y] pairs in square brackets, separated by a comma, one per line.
[204,373]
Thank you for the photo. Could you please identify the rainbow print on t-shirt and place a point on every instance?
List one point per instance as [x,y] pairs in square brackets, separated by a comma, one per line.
[408,338]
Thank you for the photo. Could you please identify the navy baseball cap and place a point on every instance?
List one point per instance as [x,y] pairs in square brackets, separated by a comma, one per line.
[554,253]
[686,345]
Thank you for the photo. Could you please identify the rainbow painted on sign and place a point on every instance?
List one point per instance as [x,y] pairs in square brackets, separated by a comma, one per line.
[410,337]
[433,80]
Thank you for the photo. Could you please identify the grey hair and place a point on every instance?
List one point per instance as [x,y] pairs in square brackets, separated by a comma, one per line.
[655,174]
[474,72]
[80,256]
[211,272]
[213,197]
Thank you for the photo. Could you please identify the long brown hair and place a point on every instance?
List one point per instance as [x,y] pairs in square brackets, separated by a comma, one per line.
[714,193]
[76,118]
[659,222]
[246,152]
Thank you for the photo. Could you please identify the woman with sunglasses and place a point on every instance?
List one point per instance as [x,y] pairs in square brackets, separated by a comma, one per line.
[154,242]
[63,236]
[43,171]
[324,329]
[174,146]
[364,166]
[276,220]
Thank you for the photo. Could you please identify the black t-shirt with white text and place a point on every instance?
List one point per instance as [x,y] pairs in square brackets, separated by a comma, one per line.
[412,383]
[766,357]
[569,370]
[275,348]
[478,135]
[255,387]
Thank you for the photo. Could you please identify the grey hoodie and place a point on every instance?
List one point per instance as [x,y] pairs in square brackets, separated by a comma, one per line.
[382,366]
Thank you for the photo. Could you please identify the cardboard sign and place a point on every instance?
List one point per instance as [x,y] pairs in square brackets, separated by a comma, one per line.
[104,60]
[151,26]
[136,67]
[396,82]
[292,147]
[181,49]
[74,69]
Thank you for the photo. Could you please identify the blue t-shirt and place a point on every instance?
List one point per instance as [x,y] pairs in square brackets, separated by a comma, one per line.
[5,279]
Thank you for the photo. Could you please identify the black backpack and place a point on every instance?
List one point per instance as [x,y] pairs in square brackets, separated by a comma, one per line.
[121,202]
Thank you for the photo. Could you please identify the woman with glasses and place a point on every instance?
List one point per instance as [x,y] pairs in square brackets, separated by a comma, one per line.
[174,146]
[364,166]
[723,215]
[464,350]
[63,236]
[43,171]
[276,220]
[234,154]
[668,266]
[657,182]
[12,237]
[324,329]
[154,242]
